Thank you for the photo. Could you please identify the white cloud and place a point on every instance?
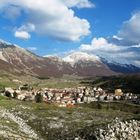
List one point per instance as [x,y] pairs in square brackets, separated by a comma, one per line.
[22,35]
[98,42]
[27,27]
[116,37]
[137,63]
[112,52]
[130,31]
[52,18]
[123,47]
[11,12]
[23,31]
[79,3]
[99,45]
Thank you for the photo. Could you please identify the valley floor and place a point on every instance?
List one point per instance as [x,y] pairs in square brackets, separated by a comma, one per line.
[41,121]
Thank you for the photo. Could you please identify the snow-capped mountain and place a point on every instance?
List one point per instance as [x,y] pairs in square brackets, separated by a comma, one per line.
[16,60]
[80,56]
[121,68]
[87,65]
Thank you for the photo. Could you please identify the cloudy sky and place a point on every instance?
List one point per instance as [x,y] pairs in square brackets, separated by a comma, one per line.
[107,28]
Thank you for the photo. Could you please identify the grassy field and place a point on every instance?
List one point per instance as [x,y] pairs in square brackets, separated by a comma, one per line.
[52,123]
[66,81]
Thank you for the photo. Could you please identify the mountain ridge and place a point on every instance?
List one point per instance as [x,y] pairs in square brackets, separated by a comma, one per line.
[17,60]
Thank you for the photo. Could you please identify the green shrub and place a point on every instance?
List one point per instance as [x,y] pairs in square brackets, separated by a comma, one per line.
[38,98]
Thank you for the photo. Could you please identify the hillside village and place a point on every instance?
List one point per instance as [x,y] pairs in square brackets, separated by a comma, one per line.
[67,96]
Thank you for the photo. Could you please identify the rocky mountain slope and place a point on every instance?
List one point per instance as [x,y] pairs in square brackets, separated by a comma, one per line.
[122,68]
[87,65]
[16,60]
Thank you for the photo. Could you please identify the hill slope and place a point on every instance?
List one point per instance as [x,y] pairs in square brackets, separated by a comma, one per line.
[27,120]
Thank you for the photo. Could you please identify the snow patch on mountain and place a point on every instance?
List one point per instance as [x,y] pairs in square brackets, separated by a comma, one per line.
[80,56]
[2,57]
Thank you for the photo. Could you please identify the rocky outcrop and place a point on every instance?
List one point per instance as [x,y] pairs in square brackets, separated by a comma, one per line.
[13,127]
[119,130]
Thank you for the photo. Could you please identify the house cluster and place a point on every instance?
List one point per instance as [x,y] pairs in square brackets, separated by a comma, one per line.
[67,96]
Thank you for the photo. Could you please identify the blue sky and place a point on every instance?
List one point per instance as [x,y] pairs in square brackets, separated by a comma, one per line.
[102,27]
